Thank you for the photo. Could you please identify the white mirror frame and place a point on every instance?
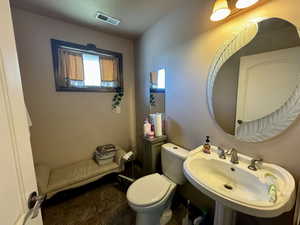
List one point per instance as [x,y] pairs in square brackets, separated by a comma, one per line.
[269,126]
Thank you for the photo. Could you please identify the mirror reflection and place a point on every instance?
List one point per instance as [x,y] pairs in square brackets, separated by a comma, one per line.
[157,91]
[259,78]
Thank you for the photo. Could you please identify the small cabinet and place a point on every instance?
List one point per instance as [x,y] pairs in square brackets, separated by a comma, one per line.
[152,154]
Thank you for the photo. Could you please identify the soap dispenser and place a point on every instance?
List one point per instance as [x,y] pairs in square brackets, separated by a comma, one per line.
[147,128]
[206,146]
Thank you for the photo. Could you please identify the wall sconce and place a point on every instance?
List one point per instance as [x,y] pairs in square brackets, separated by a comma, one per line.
[241,4]
[221,9]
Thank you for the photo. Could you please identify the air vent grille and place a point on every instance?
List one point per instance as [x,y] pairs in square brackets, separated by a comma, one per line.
[107,19]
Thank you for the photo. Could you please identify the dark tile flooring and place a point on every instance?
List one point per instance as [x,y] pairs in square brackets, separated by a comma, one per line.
[100,203]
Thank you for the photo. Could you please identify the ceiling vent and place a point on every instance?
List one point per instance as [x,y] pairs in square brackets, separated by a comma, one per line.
[107,19]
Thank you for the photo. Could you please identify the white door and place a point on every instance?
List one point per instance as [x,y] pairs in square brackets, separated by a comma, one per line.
[266,81]
[16,163]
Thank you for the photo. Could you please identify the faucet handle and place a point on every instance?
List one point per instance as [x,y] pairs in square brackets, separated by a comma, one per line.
[222,153]
[254,160]
[230,151]
[234,156]
[252,165]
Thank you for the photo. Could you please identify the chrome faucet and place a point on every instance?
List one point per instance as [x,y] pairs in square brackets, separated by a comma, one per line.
[234,156]
[221,153]
[252,166]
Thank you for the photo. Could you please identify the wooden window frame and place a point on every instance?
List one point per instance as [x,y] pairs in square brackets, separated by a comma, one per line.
[157,90]
[89,49]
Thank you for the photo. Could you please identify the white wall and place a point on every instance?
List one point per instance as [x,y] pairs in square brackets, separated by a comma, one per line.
[67,126]
[186,57]
[178,44]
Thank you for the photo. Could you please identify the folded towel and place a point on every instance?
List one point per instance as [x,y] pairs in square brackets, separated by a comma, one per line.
[101,162]
[100,154]
[272,190]
[105,154]
[105,148]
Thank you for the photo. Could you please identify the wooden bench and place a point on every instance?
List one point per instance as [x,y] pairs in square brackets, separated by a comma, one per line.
[51,181]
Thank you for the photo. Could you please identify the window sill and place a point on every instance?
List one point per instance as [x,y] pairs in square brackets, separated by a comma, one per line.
[157,90]
[88,89]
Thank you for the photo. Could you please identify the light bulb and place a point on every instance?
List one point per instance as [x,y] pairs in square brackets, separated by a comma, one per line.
[220,10]
[220,14]
[241,4]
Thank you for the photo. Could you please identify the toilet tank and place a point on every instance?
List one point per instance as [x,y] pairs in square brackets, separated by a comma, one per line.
[172,158]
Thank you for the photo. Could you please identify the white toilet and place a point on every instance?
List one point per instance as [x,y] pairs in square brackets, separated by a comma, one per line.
[151,196]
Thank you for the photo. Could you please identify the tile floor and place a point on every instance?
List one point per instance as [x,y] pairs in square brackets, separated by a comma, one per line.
[99,203]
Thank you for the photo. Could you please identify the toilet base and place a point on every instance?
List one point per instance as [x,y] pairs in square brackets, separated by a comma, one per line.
[147,219]
[154,218]
[166,217]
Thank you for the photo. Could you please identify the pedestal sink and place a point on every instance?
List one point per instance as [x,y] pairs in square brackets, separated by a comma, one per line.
[235,187]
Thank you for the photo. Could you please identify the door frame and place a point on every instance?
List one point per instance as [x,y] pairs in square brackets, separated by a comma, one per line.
[11,96]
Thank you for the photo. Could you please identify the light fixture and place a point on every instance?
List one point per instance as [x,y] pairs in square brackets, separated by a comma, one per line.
[241,4]
[220,10]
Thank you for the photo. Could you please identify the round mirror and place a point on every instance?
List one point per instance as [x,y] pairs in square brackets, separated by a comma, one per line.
[253,85]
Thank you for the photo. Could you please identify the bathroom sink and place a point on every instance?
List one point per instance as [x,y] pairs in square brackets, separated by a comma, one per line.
[237,187]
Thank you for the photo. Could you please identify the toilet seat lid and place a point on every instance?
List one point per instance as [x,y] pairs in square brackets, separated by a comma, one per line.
[148,190]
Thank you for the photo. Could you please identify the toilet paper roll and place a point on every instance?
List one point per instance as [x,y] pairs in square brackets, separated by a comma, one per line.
[158,124]
[152,118]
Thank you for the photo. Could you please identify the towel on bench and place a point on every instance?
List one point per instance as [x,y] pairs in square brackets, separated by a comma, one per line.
[53,180]
[105,154]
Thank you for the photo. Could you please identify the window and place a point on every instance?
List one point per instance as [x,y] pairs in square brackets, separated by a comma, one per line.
[158,81]
[161,79]
[86,68]
[91,68]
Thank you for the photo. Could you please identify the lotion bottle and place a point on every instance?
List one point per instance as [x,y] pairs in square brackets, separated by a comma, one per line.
[206,146]
[147,128]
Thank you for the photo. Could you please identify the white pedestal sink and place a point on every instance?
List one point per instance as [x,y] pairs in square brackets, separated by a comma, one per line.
[234,187]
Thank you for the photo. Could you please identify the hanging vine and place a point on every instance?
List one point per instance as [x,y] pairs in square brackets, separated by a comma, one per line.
[152,100]
[117,98]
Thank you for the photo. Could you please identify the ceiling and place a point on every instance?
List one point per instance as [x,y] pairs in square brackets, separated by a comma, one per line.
[135,15]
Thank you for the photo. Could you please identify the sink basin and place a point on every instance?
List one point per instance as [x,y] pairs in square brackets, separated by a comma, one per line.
[236,187]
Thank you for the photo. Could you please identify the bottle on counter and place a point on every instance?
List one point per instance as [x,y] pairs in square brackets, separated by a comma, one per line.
[206,146]
[147,128]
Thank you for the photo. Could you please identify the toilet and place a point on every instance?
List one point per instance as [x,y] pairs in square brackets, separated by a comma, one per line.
[151,196]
